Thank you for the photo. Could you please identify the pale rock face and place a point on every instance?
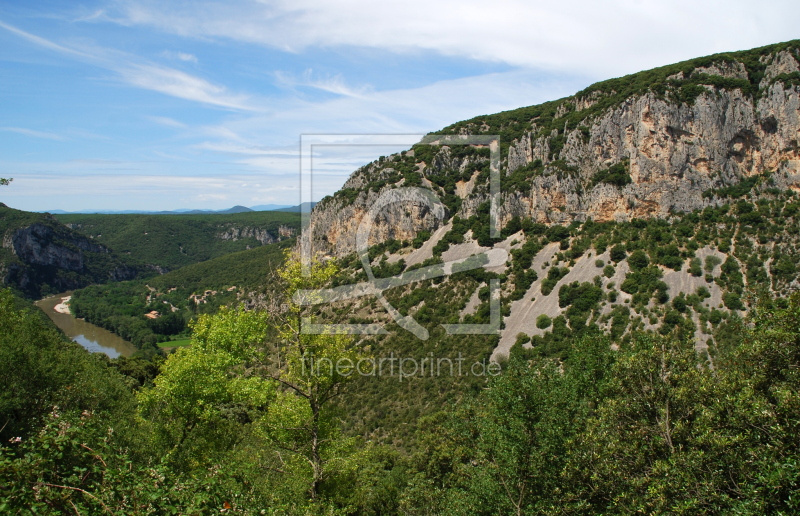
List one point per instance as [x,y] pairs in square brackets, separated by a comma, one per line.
[675,153]
[782,62]
[732,70]
[333,227]
[235,233]
[37,245]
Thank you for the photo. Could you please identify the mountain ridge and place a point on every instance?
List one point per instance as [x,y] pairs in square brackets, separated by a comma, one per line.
[675,135]
[235,209]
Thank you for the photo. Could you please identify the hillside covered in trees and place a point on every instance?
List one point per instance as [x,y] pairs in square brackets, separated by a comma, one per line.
[646,359]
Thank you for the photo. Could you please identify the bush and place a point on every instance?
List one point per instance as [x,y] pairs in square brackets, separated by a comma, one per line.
[638,260]
[618,253]
[553,277]
[421,238]
[732,301]
[557,233]
[616,175]
[695,268]
[543,322]
[679,303]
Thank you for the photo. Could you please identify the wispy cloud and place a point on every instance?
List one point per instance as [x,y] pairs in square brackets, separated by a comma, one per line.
[182,85]
[332,84]
[166,121]
[33,134]
[181,56]
[140,73]
[605,38]
[45,43]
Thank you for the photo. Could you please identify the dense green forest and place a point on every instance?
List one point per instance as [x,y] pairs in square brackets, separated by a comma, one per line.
[755,240]
[177,296]
[173,241]
[236,423]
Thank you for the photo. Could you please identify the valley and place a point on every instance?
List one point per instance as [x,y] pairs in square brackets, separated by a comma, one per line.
[93,338]
[643,325]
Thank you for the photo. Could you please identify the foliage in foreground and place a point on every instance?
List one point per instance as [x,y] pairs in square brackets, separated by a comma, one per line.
[645,429]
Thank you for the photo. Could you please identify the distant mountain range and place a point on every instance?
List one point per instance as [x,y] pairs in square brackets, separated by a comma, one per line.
[305,207]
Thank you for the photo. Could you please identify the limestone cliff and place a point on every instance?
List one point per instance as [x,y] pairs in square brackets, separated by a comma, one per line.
[40,255]
[646,145]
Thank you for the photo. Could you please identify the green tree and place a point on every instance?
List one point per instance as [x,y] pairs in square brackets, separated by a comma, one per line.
[313,370]
[205,392]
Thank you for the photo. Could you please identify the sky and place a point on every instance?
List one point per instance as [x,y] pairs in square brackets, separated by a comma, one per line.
[153,105]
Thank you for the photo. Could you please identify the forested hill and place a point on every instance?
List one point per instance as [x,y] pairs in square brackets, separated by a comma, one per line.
[173,241]
[241,278]
[39,255]
[647,359]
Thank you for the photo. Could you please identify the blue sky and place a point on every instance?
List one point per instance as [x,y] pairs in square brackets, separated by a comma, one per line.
[140,104]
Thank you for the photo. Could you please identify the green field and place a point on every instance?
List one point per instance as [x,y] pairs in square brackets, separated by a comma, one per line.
[175,343]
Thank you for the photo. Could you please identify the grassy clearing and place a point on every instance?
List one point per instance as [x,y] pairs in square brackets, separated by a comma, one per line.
[175,343]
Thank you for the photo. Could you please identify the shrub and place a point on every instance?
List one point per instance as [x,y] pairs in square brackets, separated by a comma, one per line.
[553,276]
[711,263]
[557,233]
[421,238]
[732,301]
[695,267]
[543,322]
[618,253]
[616,175]
[638,260]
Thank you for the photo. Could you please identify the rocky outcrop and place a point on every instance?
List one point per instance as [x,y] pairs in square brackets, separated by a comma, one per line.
[235,233]
[38,244]
[46,255]
[333,227]
[676,152]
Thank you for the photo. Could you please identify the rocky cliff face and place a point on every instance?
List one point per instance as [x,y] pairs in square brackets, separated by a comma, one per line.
[674,142]
[676,152]
[235,233]
[38,244]
[48,255]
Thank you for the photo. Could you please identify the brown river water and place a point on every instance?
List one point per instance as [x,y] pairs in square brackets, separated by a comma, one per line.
[93,338]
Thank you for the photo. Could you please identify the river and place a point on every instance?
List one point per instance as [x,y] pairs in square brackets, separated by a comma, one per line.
[93,338]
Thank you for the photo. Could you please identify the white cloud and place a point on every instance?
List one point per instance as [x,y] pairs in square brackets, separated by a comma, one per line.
[332,84]
[182,85]
[603,38]
[32,133]
[269,143]
[181,56]
[143,74]
[166,121]
[45,43]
